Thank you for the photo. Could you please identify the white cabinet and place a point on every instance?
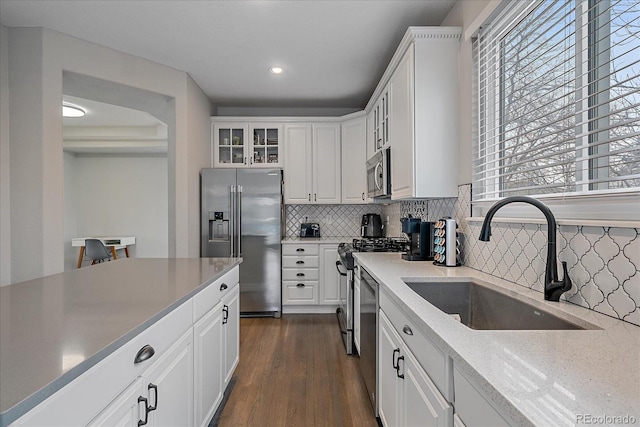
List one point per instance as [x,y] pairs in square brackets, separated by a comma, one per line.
[423,108]
[329,279]
[407,395]
[312,168]
[207,333]
[380,120]
[240,145]
[354,158]
[230,333]
[162,396]
[310,282]
[472,409]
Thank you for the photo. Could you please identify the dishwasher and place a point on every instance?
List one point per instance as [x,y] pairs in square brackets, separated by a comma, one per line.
[369,305]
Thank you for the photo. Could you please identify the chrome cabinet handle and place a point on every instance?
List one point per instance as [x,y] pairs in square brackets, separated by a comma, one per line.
[407,330]
[145,353]
[225,314]
[299,262]
[309,196]
[300,285]
[300,275]
[300,250]
[398,369]
[394,362]
[223,287]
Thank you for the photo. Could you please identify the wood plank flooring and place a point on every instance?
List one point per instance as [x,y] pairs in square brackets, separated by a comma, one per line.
[294,371]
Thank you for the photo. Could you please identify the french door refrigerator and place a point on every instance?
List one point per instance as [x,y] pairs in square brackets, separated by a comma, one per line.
[241,216]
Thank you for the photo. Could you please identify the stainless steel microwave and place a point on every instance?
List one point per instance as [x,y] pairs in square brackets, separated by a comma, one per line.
[379,174]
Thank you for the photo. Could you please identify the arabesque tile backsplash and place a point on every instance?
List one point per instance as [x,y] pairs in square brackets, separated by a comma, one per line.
[603,262]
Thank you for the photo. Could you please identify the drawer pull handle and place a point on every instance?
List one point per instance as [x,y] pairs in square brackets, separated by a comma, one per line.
[144,353]
[407,330]
[146,411]
[394,362]
[398,369]
[299,262]
[300,285]
[153,387]
[223,287]
[225,314]
[300,250]
[300,274]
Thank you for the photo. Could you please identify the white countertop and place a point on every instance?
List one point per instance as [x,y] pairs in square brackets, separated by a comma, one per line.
[55,328]
[330,239]
[542,378]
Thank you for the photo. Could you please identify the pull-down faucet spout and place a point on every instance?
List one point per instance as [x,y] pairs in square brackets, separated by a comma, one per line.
[552,287]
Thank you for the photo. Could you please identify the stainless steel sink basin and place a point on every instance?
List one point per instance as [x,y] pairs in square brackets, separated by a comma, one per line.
[482,308]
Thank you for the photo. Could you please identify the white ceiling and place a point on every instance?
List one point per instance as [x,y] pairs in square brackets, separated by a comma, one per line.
[333,52]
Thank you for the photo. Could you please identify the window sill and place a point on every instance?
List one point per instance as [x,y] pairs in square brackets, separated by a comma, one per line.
[575,222]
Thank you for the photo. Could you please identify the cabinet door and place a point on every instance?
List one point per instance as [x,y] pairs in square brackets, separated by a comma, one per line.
[354,161]
[208,381]
[230,145]
[356,309]
[298,164]
[401,128]
[230,334]
[327,166]
[329,278]
[125,411]
[169,385]
[423,405]
[371,141]
[266,151]
[389,385]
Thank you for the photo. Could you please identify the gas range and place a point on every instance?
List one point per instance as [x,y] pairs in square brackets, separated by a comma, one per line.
[377,244]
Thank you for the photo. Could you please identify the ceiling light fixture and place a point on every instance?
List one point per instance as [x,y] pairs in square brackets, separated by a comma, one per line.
[276,70]
[70,110]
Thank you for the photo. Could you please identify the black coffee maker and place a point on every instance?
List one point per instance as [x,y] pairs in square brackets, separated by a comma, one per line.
[420,234]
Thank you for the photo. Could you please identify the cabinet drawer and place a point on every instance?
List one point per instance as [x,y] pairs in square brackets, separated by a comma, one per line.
[300,249]
[303,292]
[300,261]
[207,298]
[300,274]
[433,360]
[471,407]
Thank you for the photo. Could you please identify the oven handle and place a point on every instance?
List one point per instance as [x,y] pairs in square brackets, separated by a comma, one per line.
[338,263]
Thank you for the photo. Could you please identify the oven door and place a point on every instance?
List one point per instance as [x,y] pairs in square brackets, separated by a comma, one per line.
[345,311]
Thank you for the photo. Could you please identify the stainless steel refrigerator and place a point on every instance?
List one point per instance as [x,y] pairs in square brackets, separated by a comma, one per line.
[241,215]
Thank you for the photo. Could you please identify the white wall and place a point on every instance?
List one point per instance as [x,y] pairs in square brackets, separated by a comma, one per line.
[37,59]
[5,191]
[118,195]
[465,14]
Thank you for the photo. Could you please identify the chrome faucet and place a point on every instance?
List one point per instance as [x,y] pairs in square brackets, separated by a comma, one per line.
[552,287]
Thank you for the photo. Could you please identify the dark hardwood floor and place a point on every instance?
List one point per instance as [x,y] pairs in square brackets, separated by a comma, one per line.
[294,371]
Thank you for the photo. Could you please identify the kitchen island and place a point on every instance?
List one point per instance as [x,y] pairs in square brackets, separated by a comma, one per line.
[57,328]
[529,377]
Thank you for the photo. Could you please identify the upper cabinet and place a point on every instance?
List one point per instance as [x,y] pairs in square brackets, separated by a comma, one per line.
[242,145]
[312,173]
[354,156]
[423,114]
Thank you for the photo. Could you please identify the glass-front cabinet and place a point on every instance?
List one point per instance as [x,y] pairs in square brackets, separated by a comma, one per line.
[240,145]
[265,148]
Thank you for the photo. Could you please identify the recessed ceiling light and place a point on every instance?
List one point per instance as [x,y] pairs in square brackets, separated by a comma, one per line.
[276,70]
[70,110]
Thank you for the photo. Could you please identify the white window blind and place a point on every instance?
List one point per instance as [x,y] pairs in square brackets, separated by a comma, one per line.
[557,99]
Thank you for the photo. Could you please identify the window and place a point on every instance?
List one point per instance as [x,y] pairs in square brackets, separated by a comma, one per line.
[557,100]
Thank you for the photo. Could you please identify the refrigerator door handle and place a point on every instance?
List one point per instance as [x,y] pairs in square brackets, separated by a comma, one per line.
[239,222]
[232,195]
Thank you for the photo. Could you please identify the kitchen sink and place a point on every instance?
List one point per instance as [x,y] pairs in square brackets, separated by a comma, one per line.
[486,309]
